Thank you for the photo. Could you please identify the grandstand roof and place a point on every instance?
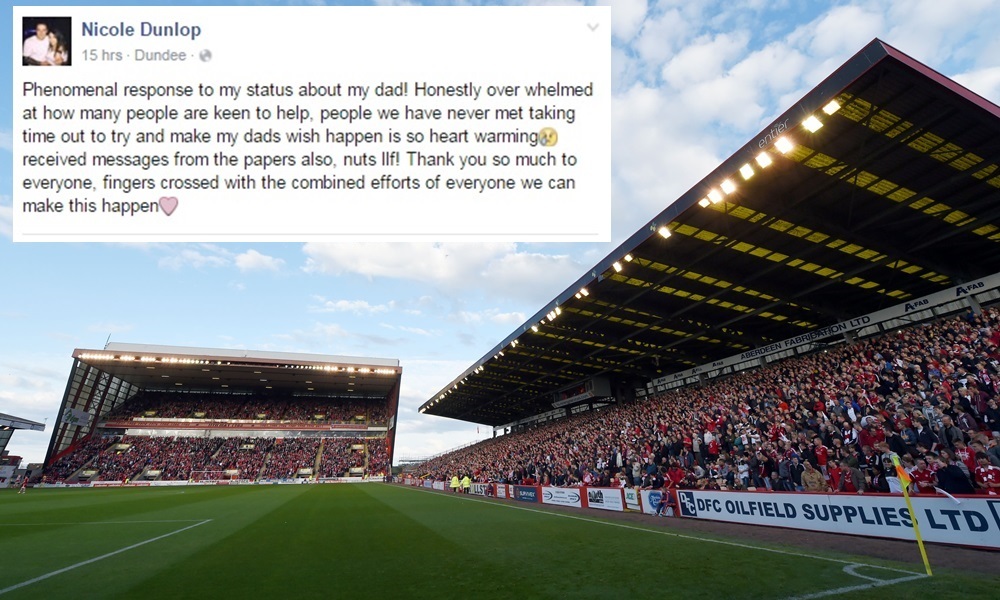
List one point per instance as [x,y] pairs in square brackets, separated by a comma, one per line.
[896,196]
[12,422]
[173,367]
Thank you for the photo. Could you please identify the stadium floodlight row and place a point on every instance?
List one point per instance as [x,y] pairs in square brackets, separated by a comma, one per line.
[145,398]
[877,191]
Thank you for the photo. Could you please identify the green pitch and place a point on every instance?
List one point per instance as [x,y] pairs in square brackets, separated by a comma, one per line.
[376,540]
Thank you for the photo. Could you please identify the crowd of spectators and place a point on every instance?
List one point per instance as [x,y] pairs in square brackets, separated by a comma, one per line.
[178,457]
[117,458]
[125,459]
[71,462]
[290,455]
[340,455]
[168,405]
[244,456]
[829,421]
[378,458]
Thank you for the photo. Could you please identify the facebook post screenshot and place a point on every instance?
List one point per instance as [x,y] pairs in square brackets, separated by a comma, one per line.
[136,124]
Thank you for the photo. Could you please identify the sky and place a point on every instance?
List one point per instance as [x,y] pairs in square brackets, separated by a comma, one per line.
[692,81]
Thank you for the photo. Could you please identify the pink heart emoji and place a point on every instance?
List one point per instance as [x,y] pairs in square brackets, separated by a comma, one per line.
[168,204]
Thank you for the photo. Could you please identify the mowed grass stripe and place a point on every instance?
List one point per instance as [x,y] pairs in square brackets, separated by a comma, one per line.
[330,538]
[550,552]
[231,509]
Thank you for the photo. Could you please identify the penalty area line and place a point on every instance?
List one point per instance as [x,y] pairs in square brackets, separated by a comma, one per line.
[849,563]
[17,586]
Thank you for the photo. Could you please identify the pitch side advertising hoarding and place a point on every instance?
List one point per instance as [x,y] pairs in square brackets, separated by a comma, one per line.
[632,499]
[965,521]
[561,496]
[526,493]
[605,498]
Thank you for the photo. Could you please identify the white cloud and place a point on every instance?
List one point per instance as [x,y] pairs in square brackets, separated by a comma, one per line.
[661,36]
[445,263]
[705,59]
[6,140]
[199,256]
[196,256]
[405,328]
[509,318]
[251,260]
[531,275]
[985,82]
[931,31]
[626,17]
[491,315]
[661,152]
[844,30]
[497,269]
[357,307]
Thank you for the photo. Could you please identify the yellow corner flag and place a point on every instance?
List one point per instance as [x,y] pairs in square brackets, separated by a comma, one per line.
[904,478]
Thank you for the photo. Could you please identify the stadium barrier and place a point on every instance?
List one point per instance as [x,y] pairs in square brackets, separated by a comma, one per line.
[964,520]
[583,497]
[632,501]
[562,496]
[650,501]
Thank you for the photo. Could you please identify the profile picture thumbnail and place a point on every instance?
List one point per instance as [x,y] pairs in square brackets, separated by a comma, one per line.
[46,41]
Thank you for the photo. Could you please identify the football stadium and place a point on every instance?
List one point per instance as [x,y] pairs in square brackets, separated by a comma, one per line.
[730,404]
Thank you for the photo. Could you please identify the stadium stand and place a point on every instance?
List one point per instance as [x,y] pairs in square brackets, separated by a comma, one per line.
[156,414]
[165,405]
[928,393]
[115,458]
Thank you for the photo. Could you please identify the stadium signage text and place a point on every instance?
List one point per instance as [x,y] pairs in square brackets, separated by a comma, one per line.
[526,493]
[561,496]
[771,135]
[971,522]
[632,499]
[968,289]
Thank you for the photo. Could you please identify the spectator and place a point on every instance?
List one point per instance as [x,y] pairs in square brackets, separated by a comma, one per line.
[851,480]
[950,478]
[987,475]
[812,479]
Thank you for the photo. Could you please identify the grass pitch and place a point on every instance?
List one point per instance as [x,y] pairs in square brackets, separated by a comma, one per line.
[377,540]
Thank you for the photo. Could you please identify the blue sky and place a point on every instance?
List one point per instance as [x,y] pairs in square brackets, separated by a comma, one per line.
[692,81]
